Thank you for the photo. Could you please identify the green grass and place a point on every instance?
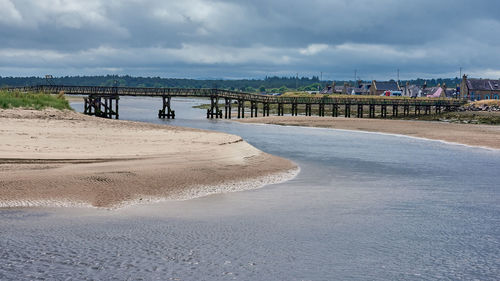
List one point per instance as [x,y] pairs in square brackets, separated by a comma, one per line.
[36,101]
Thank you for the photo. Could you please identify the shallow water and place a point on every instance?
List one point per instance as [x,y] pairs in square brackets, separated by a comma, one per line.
[364,207]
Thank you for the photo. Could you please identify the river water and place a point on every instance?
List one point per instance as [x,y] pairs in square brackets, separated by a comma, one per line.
[364,207]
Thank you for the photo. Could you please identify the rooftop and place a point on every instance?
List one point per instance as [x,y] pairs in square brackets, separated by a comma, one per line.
[387,85]
[483,84]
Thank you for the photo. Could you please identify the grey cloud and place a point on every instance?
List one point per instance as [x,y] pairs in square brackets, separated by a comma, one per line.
[209,38]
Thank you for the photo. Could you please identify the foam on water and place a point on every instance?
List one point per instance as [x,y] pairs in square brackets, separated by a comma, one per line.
[226,187]
[30,203]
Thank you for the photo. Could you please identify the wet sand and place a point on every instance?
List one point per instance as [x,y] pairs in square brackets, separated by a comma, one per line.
[468,134]
[63,158]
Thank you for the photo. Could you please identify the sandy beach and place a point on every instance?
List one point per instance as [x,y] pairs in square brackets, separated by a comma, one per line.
[63,158]
[468,134]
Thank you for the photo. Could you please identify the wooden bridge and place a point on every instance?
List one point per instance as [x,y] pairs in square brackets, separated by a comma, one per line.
[103,101]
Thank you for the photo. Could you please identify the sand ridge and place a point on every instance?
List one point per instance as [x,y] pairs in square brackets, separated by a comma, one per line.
[56,158]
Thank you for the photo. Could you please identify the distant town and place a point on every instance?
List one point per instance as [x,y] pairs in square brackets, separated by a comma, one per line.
[470,88]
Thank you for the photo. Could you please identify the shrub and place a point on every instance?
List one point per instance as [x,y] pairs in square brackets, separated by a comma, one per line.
[32,100]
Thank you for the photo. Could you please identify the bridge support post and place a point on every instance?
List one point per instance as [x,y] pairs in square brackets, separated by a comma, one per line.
[280,109]
[294,109]
[218,112]
[335,110]
[166,110]
[395,110]
[227,108]
[427,109]
[347,112]
[253,109]
[86,106]
[214,108]
[116,107]
[101,106]
[321,109]
[241,109]
[406,110]
[308,109]
[265,111]
[371,112]
[383,111]
[438,109]
[360,111]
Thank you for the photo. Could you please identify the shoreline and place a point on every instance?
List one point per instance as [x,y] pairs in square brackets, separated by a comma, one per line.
[57,158]
[471,135]
[191,192]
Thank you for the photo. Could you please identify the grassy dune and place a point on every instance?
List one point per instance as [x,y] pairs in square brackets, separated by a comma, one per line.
[32,100]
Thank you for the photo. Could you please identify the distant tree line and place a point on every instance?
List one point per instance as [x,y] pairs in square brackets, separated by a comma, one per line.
[158,82]
[450,82]
[268,84]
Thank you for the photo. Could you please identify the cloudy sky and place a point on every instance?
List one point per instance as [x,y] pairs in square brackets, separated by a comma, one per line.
[251,39]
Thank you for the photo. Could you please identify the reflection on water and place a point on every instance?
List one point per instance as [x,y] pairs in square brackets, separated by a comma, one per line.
[364,207]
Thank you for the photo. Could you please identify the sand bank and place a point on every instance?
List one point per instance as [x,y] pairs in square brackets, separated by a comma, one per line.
[468,134]
[63,158]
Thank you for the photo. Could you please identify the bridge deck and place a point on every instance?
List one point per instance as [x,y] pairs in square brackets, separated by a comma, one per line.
[235,95]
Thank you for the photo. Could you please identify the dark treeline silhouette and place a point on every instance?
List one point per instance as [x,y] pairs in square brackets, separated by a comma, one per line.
[266,84]
[450,82]
[157,82]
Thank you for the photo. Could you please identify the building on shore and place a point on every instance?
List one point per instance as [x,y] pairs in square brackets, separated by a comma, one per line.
[413,91]
[417,91]
[359,89]
[380,87]
[334,89]
[479,89]
[435,92]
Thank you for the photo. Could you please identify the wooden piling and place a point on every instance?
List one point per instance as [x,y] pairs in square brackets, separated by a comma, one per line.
[166,110]
[347,112]
[280,109]
[101,106]
[406,110]
[335,110]
[321,109]
[360,111]
[427,109]
[395,110]
[227,108]
[383,111]
[371,109]
[308,109]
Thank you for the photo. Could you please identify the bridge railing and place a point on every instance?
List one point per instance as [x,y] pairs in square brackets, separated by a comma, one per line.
[221,93]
